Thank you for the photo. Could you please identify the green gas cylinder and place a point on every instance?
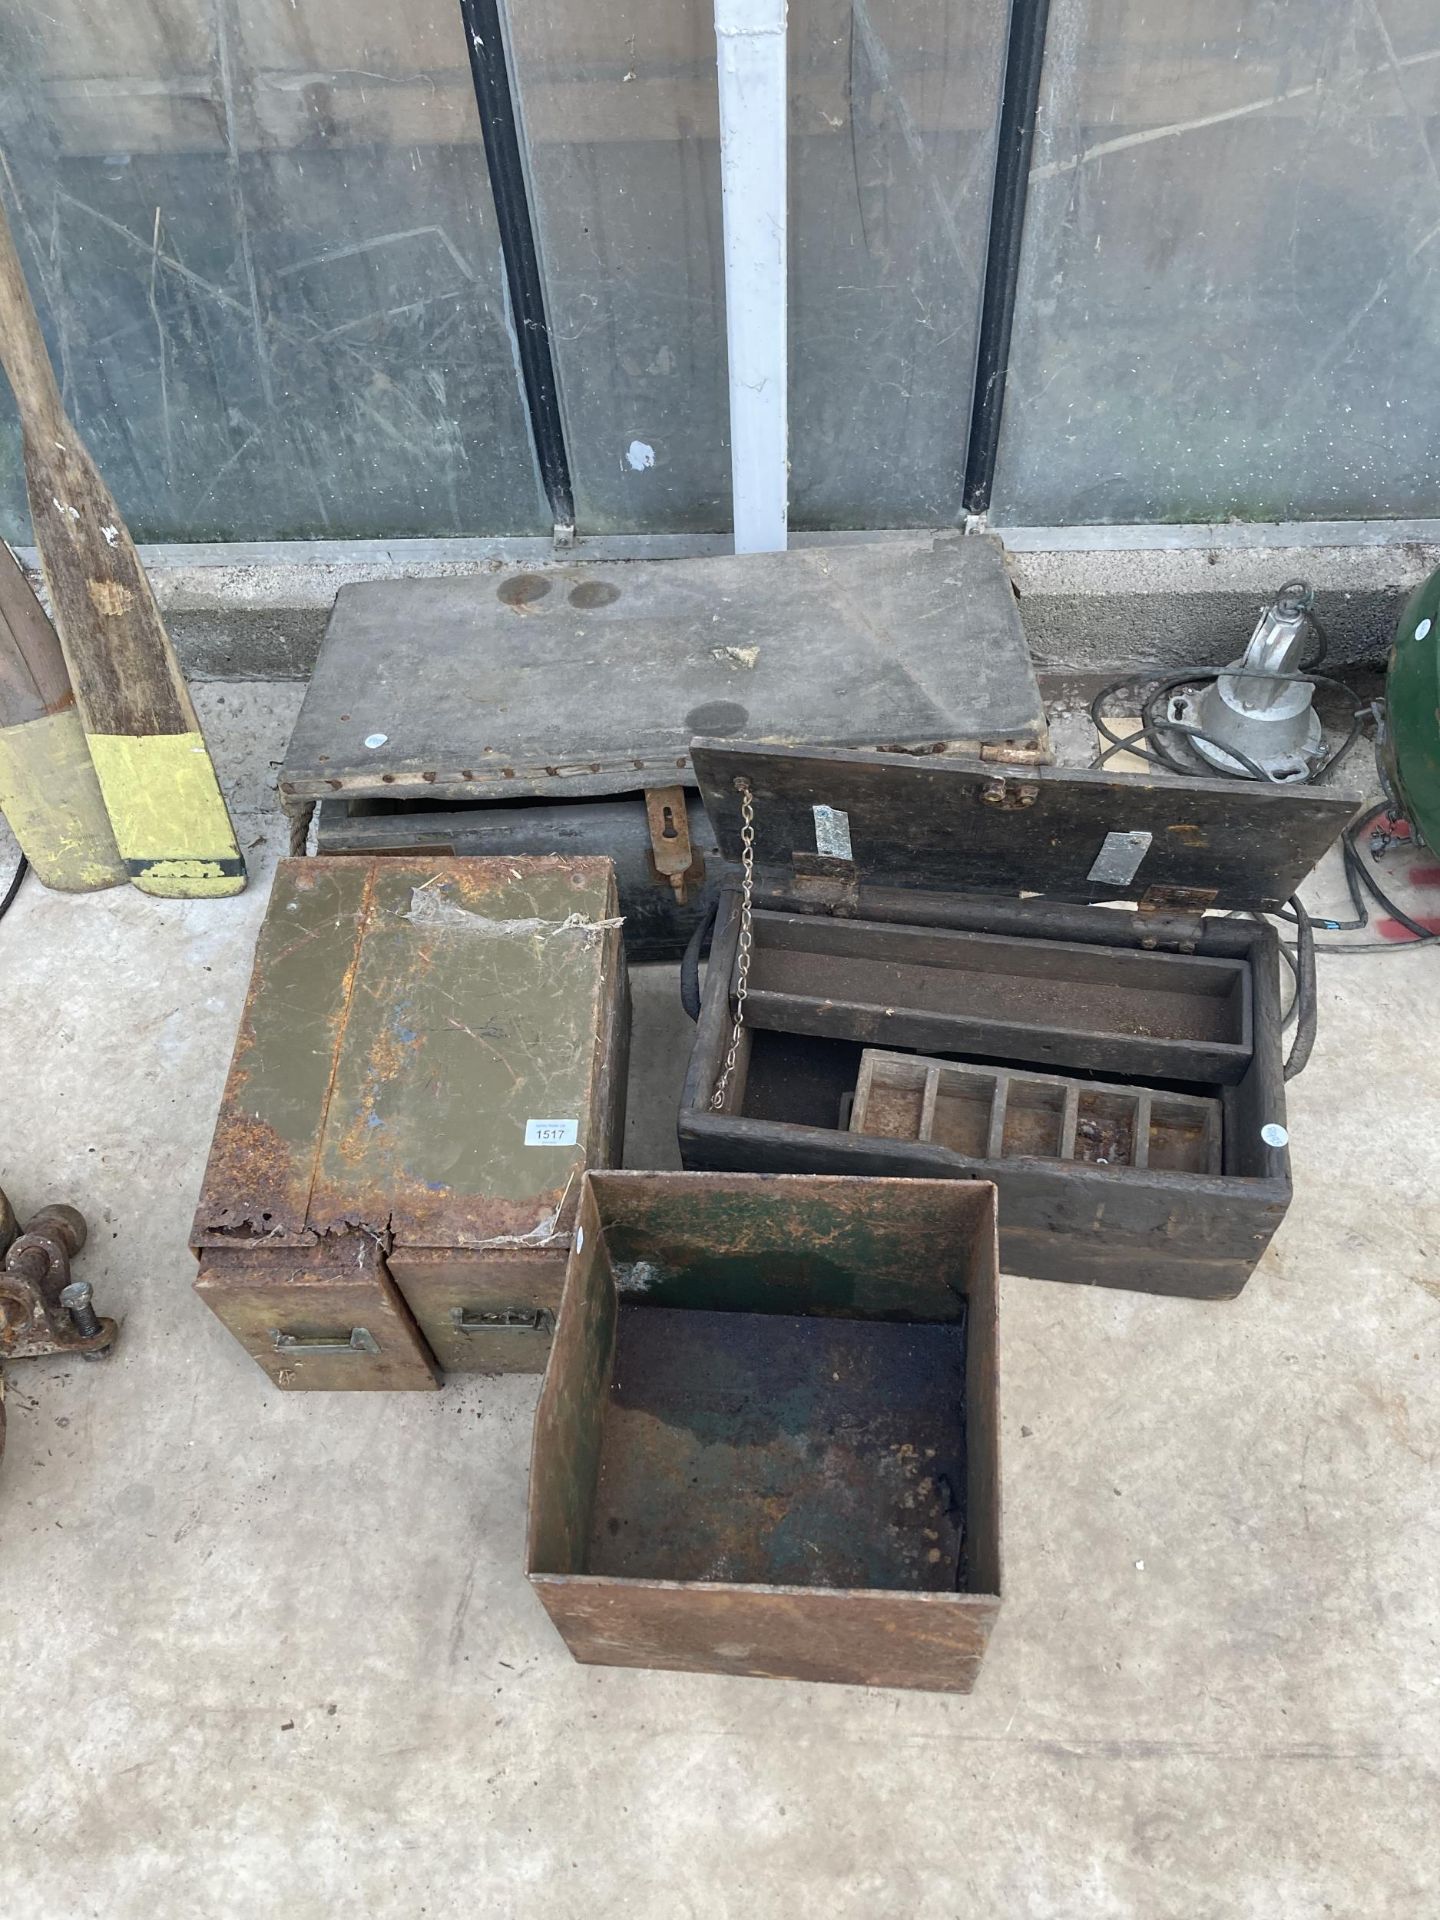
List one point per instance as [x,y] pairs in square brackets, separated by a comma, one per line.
[1410,749]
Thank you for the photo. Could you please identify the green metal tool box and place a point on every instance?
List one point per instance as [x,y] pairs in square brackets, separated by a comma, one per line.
[432,1051]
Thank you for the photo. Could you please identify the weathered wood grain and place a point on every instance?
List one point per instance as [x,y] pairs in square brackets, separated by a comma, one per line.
[48,790]
[966,826]
[592,678]
[1149,1230]
[170,821]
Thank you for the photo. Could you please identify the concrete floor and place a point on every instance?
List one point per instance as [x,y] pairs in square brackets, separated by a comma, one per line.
[275,1656]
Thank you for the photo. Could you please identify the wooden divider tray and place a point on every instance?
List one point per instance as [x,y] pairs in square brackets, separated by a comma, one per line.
[1058,1002]
[992,1114]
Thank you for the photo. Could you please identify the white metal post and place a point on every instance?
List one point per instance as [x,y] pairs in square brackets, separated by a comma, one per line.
[750,50]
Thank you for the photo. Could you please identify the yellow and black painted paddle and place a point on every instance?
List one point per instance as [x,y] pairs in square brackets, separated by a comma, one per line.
[169,817]
[48,790]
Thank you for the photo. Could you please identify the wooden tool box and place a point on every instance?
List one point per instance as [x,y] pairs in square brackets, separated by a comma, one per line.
[768,1439]
[542,710]
[880,922]
[431,1053]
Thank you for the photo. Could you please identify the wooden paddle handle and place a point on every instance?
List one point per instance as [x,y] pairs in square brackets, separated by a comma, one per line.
[22,345]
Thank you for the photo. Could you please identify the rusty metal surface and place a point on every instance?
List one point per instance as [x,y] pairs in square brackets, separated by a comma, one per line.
[326,1318]
[406,1018]
[667,814]
[262,1159]
[483,1313]
[42,1310]
[474,1027]
[695,1493]
[933,1642]
[782,1450]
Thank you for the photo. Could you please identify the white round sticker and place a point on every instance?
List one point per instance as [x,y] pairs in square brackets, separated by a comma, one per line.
[1274,1135]
[1422,629]
[579,1239]
[373,740]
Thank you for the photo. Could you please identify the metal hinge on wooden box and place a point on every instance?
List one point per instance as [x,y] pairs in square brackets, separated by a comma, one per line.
[520,712]
[432,1051]
[877,919]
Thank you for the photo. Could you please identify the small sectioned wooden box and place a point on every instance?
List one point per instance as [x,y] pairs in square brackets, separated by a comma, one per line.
[431,1053]
[768,1439]
[1129,1050]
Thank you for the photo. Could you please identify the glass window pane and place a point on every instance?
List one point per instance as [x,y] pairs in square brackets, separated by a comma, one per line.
[1229,301]
[892,114]
[263,245]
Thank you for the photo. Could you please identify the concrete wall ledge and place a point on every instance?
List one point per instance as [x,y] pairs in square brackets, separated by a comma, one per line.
[1178,596]
[1090,597]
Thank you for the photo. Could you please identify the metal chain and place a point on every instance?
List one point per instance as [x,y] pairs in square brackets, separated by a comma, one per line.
[742,965]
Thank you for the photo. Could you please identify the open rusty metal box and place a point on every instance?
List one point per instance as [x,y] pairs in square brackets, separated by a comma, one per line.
[768,1439]
[431,1053]
[880,921]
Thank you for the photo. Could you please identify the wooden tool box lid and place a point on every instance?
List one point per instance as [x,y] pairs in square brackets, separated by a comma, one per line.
[591,678]
[419,1055]
[966,826]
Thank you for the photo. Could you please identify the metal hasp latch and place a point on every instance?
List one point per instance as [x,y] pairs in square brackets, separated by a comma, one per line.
[1172,917]
[670,849]
[42,1310]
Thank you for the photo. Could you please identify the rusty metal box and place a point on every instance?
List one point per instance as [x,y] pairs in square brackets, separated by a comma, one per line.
[432,1051]
[768,1439]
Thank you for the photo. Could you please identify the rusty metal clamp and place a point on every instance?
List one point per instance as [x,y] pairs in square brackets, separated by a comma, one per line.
[42,1310]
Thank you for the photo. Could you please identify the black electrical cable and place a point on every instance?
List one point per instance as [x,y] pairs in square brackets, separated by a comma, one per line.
[690,961]
[1148,745]
[1191,678]
[1360,880]
[1307,1000]
[1357,871]
[21,869]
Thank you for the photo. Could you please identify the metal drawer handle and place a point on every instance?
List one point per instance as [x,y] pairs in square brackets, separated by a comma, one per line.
[306,1346]
[503,1320]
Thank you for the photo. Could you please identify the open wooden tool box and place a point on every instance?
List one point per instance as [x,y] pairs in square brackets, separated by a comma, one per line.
[1095,1063]
[768,1439]
[552,710]
[431,1053]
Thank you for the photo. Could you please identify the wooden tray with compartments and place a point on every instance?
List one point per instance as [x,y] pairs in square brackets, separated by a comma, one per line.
[431,1053]
[954,910]
[992,1113]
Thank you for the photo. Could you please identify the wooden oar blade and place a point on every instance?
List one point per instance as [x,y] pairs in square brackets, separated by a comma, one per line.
[171,823]
[48,791]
